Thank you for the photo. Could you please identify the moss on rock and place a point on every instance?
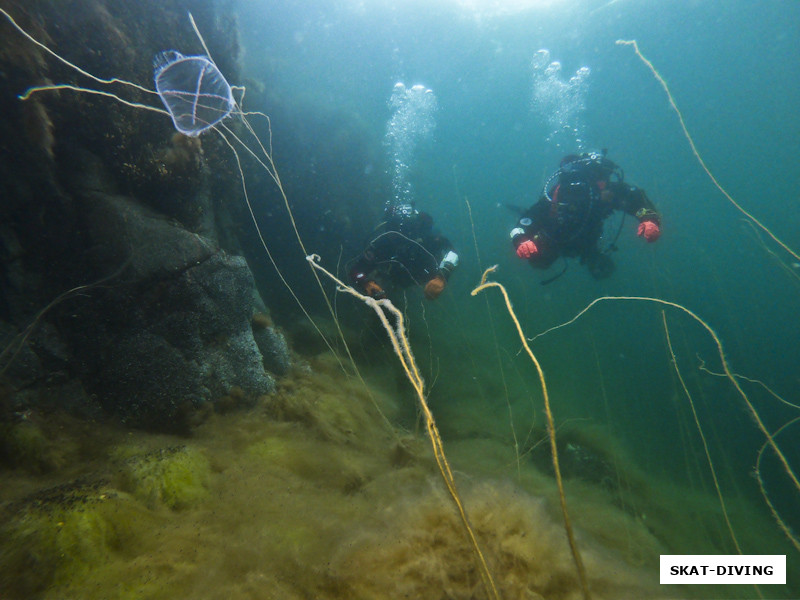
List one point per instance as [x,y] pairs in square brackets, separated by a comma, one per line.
[28,446]
[56,537]
[175,477]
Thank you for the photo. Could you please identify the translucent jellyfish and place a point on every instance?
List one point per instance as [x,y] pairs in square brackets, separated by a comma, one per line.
[197,97]
[193,90]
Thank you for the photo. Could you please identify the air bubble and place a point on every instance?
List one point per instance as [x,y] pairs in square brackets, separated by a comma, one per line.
[412,121]
[558,101]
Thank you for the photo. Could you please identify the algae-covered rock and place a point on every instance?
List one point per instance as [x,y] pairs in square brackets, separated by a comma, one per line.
[273,346]
[343,412]
[56,537]
[27,446]
[175,477]
[161,356]
[23,445]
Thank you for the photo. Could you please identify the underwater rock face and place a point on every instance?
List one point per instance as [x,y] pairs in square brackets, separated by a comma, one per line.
[274,348]
[184,342]
[26,367]
[121,229]
[172,332]
[94,191]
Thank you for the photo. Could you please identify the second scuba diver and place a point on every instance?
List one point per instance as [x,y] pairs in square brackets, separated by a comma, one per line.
[405,251]
[568,219]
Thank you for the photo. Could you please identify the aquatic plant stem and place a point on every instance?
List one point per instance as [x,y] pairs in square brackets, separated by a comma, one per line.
[726,368]
[551,430]
[496,344]
[696,153]
[76,88]
[272,170]
[789,269]
[402,349]
[261,236]
[758,382]
[18,342]
[784,527]
[702,435]
[69,64]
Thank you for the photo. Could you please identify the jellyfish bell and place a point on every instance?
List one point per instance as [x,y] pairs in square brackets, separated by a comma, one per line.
[197,97]
[193,90]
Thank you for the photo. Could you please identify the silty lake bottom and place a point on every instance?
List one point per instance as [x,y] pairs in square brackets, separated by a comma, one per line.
[187,412]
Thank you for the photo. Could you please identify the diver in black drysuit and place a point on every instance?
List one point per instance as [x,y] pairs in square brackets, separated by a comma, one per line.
[405,250]
[568,219]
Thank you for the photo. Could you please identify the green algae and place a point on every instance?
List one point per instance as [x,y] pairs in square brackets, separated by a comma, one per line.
[57,537]
[176,477]
[26,445]
[301,498]
[295,512]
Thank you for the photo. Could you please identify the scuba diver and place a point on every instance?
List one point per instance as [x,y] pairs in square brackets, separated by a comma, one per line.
[406,250]
[567,220]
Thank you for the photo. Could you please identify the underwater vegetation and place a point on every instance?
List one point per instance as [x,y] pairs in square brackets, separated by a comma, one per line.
[309,492]
[297,475]
[176,477]
[24,444]
[59,536]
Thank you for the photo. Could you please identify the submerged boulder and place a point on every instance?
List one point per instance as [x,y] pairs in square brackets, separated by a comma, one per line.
[177,335]
[113,241]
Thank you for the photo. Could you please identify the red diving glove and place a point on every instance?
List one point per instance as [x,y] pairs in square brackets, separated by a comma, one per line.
[649,231]
[527,249]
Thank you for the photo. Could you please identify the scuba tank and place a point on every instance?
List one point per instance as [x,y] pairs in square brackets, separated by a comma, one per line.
[574,193]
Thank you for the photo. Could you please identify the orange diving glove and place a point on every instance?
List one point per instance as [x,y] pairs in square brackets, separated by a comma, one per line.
[373,290]
[434,287]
